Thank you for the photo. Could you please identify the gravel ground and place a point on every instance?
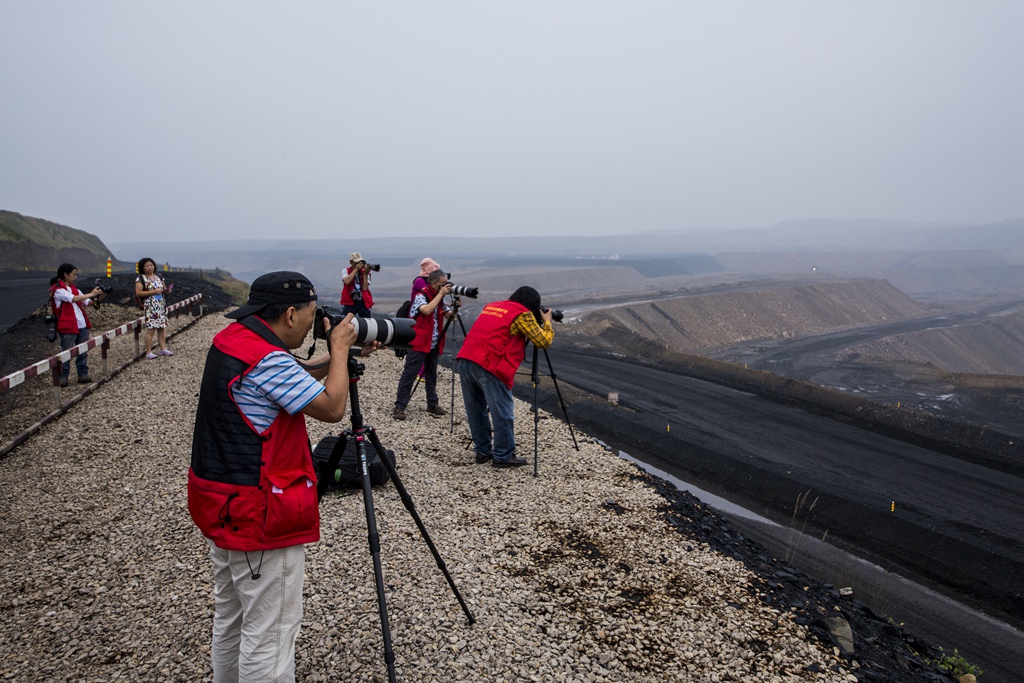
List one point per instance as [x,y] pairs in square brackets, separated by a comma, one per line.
[575,575]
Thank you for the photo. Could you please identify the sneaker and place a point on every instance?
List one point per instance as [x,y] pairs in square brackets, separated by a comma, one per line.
[84,379]
[398,414]
[151,356]
[481,458]
[63,381]
[437,411]
[165,352]
[511,462]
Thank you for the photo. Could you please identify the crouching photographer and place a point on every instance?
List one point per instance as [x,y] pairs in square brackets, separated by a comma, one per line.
[492,352]
[251,484]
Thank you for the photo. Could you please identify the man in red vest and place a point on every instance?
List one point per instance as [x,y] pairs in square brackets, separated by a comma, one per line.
[490,356]
[355,287]
[429,311]
[251,483]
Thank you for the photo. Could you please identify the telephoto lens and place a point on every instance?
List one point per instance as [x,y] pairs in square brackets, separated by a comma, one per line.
[471,292]
[393,332]
[556,314]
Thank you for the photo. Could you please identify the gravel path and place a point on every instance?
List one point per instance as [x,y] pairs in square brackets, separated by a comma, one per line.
[573,576]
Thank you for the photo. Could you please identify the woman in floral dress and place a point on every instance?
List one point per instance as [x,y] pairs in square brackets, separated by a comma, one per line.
[149,288]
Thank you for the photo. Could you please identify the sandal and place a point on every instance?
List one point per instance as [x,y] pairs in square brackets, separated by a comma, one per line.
[166,352]
[151,356]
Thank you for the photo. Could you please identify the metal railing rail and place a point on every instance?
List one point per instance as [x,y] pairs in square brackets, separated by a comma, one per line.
[54,365]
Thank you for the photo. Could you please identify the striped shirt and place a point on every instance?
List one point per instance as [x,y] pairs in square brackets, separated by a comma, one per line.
[526,325]
[276,382]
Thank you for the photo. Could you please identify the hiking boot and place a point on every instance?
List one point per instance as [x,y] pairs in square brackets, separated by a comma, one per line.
[84,379]
[436,411]
[481,458]
[398,414]
[511,462]
[63,381]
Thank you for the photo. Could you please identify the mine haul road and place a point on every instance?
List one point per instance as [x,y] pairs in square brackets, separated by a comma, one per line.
[945,522]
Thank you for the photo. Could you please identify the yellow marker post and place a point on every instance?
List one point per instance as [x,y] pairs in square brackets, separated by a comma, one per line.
[108,266]
[668,428]
[893,508]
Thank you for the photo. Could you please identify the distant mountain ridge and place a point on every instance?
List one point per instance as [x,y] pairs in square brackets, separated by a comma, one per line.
[28,243]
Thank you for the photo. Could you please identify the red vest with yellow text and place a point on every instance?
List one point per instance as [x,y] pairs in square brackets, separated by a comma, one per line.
[490,343]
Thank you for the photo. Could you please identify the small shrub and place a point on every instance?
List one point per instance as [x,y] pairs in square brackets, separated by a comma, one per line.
[956,664]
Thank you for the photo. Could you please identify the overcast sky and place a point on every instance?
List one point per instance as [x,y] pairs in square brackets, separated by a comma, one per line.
[146,121]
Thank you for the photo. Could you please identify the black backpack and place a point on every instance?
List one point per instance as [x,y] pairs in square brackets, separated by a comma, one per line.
[347,474]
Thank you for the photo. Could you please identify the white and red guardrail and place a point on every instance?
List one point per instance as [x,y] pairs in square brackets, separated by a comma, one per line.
[54,365]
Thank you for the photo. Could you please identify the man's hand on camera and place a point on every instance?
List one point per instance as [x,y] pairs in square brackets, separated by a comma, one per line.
[343,334]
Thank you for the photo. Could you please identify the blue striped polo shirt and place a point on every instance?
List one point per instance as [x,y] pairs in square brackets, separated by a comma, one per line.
[276,382]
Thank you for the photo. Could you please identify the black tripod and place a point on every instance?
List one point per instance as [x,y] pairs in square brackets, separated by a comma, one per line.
[536,413]
[361,433]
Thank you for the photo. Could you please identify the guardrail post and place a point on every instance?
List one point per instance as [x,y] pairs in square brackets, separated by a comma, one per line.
[138,352]
[55,371]
[104,348]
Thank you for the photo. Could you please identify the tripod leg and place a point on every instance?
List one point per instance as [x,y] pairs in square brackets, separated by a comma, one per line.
[536,412]
[371,434]
[558,391]
[378,573]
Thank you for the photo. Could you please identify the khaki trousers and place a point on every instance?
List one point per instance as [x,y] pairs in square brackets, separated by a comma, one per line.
[256,621]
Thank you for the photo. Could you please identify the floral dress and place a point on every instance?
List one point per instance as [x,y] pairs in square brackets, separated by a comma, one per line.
[155,310]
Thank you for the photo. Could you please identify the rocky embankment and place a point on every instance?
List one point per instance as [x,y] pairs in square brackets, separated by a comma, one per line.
[698,324]
[591,571]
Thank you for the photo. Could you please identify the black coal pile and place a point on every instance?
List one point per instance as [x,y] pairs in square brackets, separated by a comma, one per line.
[885,652]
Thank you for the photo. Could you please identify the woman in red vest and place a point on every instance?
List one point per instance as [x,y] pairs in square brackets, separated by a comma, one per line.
[68,304]
[490,356]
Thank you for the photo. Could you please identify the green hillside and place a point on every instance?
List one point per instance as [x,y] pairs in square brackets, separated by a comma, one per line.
[28,243]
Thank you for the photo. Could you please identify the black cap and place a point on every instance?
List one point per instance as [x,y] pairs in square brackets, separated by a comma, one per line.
[279,287]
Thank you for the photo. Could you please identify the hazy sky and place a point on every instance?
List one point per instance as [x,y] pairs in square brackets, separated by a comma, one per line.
[202,120]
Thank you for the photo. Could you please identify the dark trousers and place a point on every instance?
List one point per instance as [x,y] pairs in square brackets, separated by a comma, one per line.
[81,362]
[414,360]
[358,309]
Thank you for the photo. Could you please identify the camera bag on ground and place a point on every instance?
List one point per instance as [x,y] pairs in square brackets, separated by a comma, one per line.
[347,475]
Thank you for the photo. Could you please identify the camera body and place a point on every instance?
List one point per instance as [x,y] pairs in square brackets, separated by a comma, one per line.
[328,312]
[51,320]
[106,290]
